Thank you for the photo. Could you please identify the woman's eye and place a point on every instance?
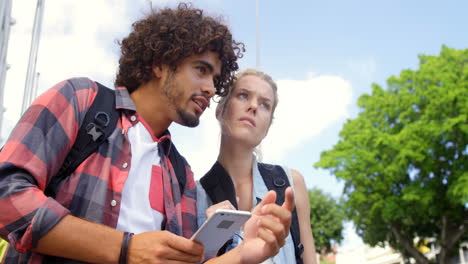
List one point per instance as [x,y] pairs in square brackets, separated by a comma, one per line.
[266,106]
[242,95]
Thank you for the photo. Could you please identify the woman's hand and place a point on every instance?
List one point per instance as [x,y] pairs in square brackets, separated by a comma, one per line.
[266,231]
[222,205]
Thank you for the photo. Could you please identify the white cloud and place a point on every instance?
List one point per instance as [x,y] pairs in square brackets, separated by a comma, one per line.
[305,109]
[77,40]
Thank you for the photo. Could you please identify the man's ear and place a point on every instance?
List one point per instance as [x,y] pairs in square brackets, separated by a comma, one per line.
[158,71]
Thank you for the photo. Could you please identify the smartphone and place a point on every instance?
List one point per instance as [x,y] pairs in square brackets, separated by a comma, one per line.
[219,228]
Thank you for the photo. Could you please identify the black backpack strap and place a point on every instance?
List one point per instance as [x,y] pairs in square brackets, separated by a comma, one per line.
[178,164]
[218,185]
[99,122]
[275,178]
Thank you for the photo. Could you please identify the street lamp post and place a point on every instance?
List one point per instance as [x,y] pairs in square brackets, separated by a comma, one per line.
[29,89]
[5,23]
[257,65]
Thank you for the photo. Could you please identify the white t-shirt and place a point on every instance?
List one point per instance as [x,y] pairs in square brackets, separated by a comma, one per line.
[142,205]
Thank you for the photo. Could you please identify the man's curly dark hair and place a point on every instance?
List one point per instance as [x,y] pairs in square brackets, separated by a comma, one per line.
[167,37]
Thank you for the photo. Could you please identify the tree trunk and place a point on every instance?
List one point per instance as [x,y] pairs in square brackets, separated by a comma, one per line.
[443,241]
[448,241]
[443,256]
[408,245]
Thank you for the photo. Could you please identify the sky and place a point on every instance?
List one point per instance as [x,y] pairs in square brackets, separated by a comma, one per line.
[323,54]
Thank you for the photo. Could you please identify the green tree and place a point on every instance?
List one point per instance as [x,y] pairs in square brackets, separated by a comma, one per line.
[404,158]
[326,218]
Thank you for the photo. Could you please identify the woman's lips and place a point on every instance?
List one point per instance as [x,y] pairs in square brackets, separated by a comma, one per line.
[249,120]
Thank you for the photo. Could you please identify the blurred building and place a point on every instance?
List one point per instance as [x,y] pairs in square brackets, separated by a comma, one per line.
[365,254]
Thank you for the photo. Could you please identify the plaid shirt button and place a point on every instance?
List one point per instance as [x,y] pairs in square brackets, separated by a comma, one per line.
[125,165]
[113,203]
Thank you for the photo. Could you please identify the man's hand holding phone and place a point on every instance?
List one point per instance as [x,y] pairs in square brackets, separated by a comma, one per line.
[163,247]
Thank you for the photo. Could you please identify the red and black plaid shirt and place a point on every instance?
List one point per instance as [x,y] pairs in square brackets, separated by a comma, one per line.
[35,152]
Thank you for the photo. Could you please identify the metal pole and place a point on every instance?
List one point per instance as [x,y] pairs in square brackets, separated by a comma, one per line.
[258,36]
[31,72]
[5,23]
[35,85]
[3,13]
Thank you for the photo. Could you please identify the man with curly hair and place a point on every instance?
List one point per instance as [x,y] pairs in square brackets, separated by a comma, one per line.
[172,63]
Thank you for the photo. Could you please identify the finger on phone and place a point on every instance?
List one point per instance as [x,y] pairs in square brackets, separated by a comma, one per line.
[226,204]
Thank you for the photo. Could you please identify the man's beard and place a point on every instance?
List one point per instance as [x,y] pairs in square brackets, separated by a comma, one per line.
[172,94]
[187,119]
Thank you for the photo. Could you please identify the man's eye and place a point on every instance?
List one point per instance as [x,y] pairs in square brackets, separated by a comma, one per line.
[201,69]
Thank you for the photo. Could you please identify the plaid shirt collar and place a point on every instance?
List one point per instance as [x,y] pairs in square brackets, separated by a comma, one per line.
[123,99]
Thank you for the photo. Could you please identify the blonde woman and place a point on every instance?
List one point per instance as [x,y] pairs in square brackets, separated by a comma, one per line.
[238,181]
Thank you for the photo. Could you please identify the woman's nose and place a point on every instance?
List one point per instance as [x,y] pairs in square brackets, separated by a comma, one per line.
[253,105]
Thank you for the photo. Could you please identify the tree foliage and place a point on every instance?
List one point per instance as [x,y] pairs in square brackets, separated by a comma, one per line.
[326,218]
[404,158]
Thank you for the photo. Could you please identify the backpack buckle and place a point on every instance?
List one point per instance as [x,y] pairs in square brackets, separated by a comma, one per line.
[94,131]
[300,248]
